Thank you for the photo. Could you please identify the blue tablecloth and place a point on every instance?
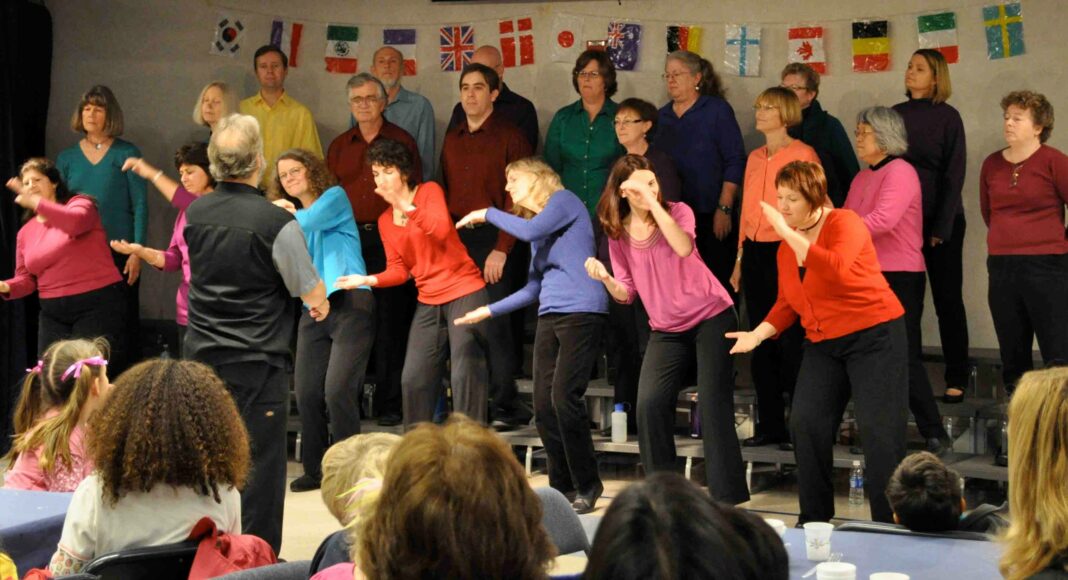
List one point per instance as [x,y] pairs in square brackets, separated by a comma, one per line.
[30,525]
[920,558]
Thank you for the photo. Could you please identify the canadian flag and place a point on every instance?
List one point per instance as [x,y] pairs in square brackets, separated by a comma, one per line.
[806,46]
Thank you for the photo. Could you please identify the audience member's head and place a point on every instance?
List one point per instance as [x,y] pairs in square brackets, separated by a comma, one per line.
[236,149]
[666,527]
[98,113]
[347,463]
[67,385]
[169,422]
[215,102]
[1038,470]
[925,494]
[455,503]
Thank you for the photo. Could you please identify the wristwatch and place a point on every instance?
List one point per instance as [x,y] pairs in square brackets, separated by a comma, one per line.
[724,208]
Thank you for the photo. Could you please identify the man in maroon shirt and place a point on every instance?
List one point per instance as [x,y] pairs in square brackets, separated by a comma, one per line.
[473,159]
[395,306]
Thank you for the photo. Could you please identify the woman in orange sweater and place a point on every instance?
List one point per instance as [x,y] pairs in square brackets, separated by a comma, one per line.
[829,277]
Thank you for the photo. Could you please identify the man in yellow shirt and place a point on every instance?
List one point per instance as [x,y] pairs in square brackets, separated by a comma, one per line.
[284,122]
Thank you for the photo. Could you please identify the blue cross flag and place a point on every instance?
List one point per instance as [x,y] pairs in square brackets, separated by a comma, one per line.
[742,56]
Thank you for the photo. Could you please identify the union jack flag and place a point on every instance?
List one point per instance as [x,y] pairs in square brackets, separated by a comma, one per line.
[457,47]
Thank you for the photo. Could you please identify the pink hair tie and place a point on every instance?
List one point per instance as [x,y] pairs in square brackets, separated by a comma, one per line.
[76,368]
[37,369]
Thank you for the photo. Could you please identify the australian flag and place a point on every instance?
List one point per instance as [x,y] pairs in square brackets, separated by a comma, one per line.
[457,47]
[622,44]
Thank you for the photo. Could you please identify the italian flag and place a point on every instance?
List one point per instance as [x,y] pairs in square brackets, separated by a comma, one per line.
[341,43]
[939,31]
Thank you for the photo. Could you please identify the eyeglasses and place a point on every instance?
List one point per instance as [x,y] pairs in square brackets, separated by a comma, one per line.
[295,172]
[764,107]
[858,133]
[795,87]
[364,101]
[625,122]
[588,74]
[675,75]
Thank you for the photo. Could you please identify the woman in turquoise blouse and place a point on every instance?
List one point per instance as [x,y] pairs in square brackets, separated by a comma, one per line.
[94,167]
[581,144]
[331,355]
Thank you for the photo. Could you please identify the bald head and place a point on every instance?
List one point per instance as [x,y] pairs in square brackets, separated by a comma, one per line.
[387,65]
[491,57]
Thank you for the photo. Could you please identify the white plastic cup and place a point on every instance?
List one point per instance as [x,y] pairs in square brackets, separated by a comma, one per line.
[888,576]
[778,525]
[818,540]
[836,571]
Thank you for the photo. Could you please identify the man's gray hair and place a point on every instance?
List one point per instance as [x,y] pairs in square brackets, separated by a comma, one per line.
[889,129]
[358,80]
[235,148]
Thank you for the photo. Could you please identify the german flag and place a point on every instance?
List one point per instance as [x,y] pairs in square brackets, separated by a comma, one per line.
[871,46]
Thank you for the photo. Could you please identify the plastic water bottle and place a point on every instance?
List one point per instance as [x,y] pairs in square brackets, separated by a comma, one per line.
[856,484]
[619,424]
[162,347]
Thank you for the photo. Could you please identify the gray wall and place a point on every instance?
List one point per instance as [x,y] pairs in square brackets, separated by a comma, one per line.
[154,54]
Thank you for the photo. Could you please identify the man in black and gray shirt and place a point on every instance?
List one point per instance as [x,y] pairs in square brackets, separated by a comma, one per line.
[247,258]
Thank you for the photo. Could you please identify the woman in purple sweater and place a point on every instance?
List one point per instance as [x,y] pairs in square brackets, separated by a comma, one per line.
[571,315]
[887,197]
[191,161]
[651,244]
[937,152]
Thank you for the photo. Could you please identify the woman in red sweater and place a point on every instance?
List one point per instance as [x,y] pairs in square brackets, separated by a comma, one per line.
[829,277]
[421,243]
[62,253]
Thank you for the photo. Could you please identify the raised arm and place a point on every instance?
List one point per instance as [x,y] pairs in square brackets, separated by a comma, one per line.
[330,211]
[156,177]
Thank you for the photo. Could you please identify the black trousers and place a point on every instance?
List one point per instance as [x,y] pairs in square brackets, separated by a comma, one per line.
[100,312]
[945,269]
[565,349]
[131,332]
[870,366]
[718,254]
[331,365]
[432,341]
[775,363]
[1027,301]
[626,341]
[501,359]
[262,397]
[909,288]
[394,308]
[666,358]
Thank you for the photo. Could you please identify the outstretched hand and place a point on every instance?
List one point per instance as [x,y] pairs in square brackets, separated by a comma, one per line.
[353,281]
[747,341]
[474,317]
[126,248]
[476,217]
[286,205]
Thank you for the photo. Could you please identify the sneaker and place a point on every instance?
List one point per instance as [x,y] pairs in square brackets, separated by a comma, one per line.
[304,483]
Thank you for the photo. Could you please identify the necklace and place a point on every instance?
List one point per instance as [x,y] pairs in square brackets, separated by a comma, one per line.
[806,230]
[97,146]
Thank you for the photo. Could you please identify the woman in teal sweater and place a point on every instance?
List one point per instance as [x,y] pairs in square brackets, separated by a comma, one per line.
[94,167]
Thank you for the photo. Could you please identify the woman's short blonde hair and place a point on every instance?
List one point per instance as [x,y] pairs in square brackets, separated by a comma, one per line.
[785,101]
[546,182]
[229,101]
[1038,469]
[100,96]
[349,461]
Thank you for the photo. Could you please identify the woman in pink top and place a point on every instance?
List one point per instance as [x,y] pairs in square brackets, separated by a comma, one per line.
[69,383]
[62,253]
[775,363]
[888,198]
[191,161]
[651,244]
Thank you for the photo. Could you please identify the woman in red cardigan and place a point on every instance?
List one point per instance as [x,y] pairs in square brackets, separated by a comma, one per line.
[829,277]
[62,253]
[421,243]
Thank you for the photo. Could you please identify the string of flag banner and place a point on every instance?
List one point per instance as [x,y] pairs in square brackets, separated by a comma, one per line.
[622,41]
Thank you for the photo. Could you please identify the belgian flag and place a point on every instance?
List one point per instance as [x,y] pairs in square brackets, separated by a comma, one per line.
[871,46]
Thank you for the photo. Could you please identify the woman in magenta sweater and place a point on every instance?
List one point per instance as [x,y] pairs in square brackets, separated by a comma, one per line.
[887,197]
[1023,190]
[651,244]
[421,243]
[62,253]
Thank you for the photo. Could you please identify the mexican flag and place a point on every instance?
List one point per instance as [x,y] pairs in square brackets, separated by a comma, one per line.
[939,31]
[341,43]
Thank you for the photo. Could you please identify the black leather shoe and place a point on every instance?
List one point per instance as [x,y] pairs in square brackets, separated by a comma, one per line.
[390,420]
[760,440]
[934,445]
[1001,459]
[786,446]
[304,483]
[951,399]
[585,502]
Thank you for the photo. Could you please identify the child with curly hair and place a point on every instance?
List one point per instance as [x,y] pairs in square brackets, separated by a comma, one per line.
[59,395]
[170,448]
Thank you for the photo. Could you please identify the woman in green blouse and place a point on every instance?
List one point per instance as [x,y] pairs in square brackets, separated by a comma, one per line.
[93,166]
[581,144]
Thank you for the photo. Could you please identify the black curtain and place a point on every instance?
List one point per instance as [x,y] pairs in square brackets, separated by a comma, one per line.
[25,84]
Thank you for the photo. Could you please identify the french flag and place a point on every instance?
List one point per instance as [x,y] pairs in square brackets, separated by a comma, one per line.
[286,36]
